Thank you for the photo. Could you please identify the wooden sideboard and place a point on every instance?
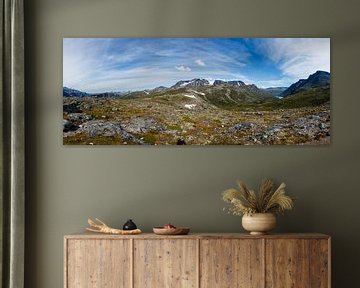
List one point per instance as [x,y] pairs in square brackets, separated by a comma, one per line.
[197,260]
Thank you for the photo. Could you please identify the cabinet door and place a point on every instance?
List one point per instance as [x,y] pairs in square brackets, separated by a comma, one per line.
[287,263]
[320,263]
[165,263]
[98,263]
[231,263]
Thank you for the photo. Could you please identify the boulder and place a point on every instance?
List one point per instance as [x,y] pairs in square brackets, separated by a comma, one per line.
[69,126]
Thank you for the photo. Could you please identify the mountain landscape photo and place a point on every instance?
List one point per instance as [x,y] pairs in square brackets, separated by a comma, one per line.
[196,91]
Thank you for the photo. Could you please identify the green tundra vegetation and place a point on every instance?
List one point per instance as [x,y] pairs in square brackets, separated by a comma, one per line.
[228,113]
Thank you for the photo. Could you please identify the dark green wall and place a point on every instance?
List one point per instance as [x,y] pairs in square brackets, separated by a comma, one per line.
[182,185]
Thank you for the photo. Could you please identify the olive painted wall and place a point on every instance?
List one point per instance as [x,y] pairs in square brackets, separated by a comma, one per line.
[182,185]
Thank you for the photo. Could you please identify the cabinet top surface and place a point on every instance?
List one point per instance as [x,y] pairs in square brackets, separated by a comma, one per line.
[87,235]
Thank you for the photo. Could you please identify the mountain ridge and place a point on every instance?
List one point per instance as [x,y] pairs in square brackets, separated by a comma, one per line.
[220,91]
[196,82]
[69,92]
[315,80]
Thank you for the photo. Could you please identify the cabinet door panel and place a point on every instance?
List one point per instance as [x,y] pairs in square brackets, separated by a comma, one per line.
[287,263]
[98,264]
[319,263]
[231,263]
[166,263]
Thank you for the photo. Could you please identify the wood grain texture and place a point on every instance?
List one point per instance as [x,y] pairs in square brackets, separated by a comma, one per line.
[197,260]
[166,263]
[231,263]
[319,263]
[287,263]
[98,264]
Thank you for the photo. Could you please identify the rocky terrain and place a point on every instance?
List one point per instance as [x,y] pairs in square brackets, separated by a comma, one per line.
[199,113]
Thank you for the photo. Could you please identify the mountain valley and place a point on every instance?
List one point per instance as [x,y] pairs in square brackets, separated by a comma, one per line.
[199,112]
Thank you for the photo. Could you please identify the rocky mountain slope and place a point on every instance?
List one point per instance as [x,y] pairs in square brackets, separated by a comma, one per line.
[191,83]
[223,94]
[320,79]
[69,92]
[237,83]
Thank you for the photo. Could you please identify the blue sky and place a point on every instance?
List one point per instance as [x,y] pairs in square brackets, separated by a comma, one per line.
[121,64]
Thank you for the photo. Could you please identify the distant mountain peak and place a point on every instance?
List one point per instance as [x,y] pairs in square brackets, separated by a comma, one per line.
[321,72]
[229,83]
[68,92]
[159,89]
[196,82]
[315,80]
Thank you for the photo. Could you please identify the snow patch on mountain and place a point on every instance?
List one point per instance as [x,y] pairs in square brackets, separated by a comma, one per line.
[197,92]
[190,106]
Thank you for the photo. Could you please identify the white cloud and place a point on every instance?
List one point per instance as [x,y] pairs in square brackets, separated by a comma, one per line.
[298,57]
[183,68]
[83,57]
[133,79]
[200,62]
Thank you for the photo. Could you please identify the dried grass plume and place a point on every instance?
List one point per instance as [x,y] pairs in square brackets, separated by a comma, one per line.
[267,200]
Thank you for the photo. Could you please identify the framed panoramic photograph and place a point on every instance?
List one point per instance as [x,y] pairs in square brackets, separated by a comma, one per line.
[196,91]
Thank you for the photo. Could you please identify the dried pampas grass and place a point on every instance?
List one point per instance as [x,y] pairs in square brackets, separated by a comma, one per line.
[244,201]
